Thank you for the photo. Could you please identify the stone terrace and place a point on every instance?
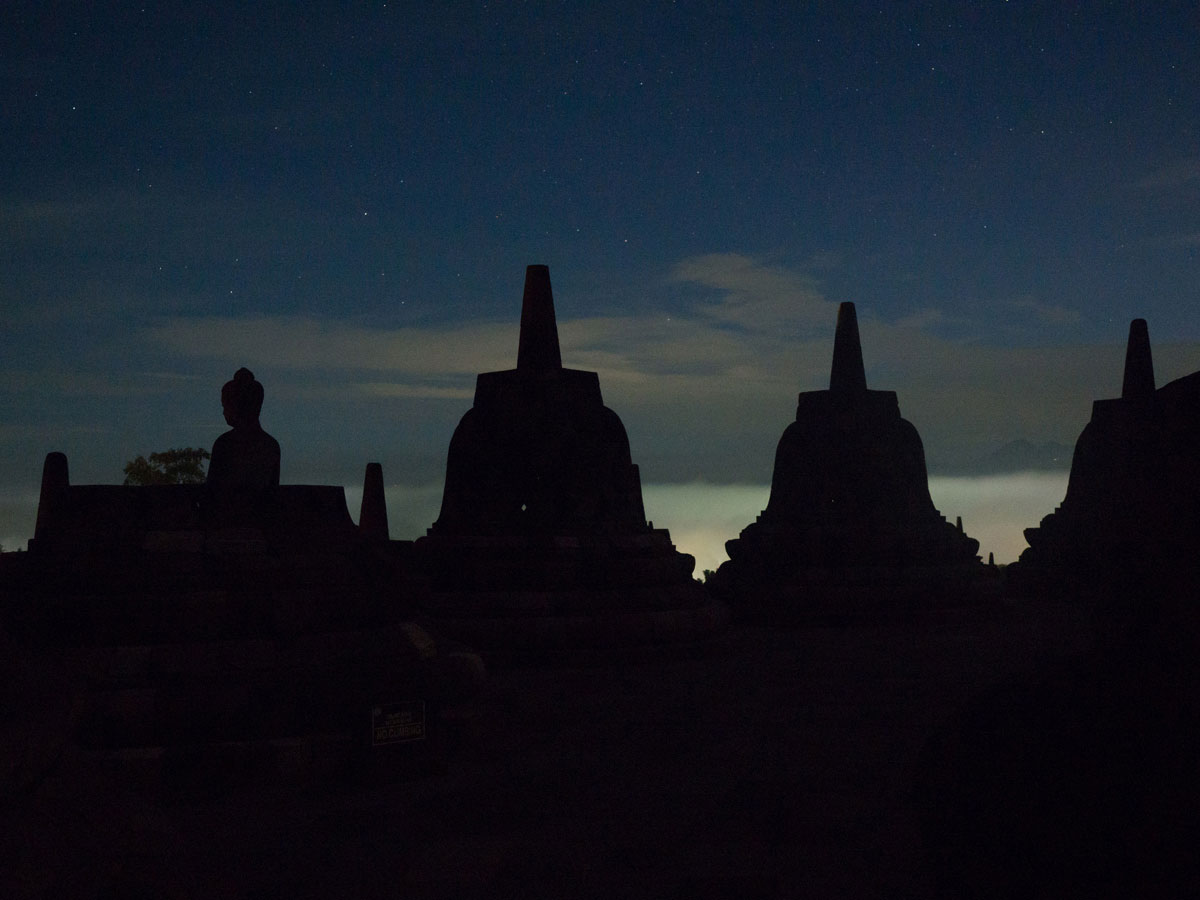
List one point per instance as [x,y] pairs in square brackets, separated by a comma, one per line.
[760,764]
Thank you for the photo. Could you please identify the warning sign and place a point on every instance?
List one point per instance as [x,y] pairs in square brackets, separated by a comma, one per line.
[394,723]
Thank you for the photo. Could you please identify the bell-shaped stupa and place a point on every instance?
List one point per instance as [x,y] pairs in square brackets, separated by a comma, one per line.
[1130,521]
[542,540]
[850,527]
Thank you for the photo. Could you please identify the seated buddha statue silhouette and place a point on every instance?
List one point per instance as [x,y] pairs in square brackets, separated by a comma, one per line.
[244,469]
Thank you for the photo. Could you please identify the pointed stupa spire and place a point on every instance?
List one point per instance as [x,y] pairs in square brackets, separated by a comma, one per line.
[53,498]
[1139,366]
[372,515]
[847,373]
[538,348]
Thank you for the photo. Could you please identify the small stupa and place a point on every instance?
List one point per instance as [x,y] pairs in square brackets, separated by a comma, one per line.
[850,527]
[542,540]
[1130,520]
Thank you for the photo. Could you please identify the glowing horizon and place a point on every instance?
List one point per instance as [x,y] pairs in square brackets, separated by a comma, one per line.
[701,517]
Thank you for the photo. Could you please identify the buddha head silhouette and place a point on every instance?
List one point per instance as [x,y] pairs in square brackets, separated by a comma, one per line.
[242,400]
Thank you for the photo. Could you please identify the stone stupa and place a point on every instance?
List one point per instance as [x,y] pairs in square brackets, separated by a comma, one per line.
[1130,521]
[542,541]
[850,528]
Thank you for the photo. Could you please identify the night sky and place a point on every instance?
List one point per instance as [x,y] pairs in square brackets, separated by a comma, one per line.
[344,197]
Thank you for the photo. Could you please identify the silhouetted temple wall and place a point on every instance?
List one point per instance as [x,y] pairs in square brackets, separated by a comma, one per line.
[237,627]
[95,518]
[540,453]
[141,554]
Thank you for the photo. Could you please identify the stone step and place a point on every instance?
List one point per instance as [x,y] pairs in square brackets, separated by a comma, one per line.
[596,629]
[585,602]
[134,664]
[175,612]
[240,690]
[202,700]
[210,769]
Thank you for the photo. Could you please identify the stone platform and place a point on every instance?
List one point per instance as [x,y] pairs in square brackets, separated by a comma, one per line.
[182,641]
[768,763]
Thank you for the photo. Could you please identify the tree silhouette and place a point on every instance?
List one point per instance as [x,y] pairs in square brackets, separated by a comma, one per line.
[183,465]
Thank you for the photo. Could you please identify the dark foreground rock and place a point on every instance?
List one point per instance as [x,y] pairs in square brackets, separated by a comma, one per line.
[1073,780]
[765,763]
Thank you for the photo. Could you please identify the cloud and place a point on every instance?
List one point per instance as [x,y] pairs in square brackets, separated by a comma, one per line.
[705,386]
[302,342]
[1172,176]
[921,319]
[25,219]
[706,389]
[390,390]
[754,295]
[655,343]
[702,517]
[997,509]
[83,384]
[1048,313]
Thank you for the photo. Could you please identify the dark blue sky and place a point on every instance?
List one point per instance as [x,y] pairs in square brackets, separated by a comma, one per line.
[344,200]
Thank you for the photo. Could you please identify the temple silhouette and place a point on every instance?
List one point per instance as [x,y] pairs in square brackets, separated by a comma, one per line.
[1130,520]
[542,539]
[237,624]
[1095,743]
[850,525]
[188,673]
